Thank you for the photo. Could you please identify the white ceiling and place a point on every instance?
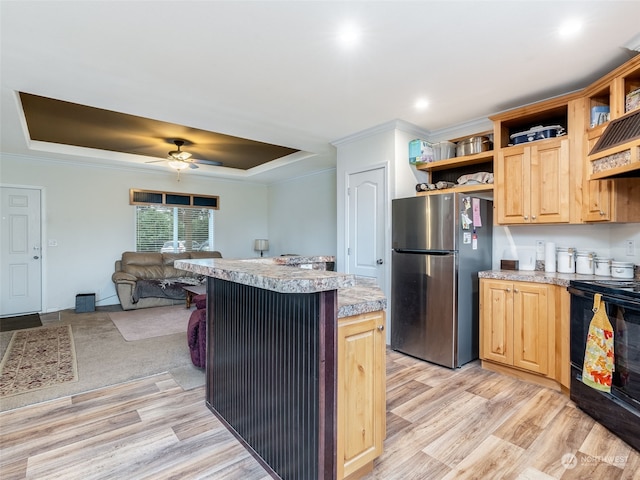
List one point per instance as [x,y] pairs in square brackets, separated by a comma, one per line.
[274,72]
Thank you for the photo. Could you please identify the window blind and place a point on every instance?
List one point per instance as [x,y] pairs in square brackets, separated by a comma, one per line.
[161,228]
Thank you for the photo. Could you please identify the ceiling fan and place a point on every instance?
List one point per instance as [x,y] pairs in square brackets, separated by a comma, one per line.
[179,159]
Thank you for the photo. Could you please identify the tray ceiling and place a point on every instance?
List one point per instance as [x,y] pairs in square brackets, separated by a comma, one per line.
[57,121]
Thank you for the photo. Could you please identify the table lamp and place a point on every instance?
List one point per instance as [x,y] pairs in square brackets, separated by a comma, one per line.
[261,245]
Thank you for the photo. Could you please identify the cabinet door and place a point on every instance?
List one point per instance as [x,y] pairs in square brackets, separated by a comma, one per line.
[596,197]
[597,204]
[360,391]
[550,181]
[512,185]
[531,327]
[496,321]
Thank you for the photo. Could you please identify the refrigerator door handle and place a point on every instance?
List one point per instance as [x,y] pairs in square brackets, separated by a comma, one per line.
[424,252]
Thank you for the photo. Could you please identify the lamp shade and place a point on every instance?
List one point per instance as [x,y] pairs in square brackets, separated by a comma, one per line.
[261,244]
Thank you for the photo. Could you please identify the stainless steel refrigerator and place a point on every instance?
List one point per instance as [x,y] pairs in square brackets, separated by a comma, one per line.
[440,243]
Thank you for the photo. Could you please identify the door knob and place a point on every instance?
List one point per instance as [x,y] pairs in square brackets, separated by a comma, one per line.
[381,327]
[379,261]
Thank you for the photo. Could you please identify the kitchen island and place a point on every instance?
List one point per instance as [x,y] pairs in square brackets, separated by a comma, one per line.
[295,364]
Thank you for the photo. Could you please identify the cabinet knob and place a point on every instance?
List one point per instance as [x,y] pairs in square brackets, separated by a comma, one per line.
[515,290]
[526,217]
[533,217]
[379,261]
[381,327]
[601,213]
[507,290]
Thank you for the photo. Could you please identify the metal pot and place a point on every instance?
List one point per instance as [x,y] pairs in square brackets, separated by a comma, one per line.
[473,145]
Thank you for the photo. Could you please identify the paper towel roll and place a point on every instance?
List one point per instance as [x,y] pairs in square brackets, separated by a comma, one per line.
[550,257]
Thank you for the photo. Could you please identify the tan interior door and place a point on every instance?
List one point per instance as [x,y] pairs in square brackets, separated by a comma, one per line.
[20,251]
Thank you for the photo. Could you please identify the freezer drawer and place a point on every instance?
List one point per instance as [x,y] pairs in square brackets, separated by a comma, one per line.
[423,306]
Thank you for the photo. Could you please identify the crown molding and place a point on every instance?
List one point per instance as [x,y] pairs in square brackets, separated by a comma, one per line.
[383,128]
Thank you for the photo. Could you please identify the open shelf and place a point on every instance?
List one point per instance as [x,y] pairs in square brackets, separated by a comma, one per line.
[460,189]
[457,162]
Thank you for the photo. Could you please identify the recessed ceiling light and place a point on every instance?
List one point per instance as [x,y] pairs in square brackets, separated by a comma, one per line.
[421,104]
[349,35]
[570,28]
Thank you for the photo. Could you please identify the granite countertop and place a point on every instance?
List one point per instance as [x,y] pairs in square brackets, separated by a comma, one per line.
[356,295]
[560,279]
[364,297]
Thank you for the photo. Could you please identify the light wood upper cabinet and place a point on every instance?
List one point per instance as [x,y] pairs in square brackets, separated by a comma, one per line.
[517,326]
[361,396]
[606,200]
[532,183]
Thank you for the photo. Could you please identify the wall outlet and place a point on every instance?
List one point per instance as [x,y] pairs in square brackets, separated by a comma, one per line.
[630,248]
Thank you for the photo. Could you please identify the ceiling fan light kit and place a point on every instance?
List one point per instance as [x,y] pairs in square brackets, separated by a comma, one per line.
[178,164]
[179,154]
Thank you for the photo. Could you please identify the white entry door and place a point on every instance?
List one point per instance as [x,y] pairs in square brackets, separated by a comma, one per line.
[366,224]
[20,251]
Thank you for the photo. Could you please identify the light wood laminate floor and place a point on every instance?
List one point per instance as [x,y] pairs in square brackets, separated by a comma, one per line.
[441,424]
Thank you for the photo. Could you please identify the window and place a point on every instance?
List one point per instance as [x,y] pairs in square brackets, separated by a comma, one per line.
[161,226]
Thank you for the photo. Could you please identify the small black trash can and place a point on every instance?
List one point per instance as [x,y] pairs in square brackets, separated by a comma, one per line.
[85,302]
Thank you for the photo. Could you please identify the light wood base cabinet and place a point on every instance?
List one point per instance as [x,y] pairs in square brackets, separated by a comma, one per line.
[361,396]
[518,328]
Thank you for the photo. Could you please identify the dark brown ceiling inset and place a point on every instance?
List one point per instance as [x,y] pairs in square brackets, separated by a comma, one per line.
[57,121]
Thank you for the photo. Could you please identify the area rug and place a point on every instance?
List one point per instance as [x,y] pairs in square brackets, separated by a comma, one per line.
[38,358]
[20,322]
[152,322]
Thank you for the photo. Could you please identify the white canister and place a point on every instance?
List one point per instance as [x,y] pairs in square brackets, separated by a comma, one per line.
[622,270]
[549,257]
[603,266]
[584,262]
[566,262]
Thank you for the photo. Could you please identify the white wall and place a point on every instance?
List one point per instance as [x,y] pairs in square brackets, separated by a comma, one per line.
[86,210]
[372,150]
[302,215]
[606,240]
[384,146]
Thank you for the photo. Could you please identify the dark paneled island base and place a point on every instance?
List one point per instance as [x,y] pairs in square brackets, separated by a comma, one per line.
[271,375]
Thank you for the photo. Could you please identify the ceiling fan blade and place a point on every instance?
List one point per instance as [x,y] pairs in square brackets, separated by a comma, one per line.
[155,161]
[193,165]
[208,162]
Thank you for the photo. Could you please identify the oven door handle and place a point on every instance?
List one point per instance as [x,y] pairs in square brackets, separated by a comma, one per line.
[606,298]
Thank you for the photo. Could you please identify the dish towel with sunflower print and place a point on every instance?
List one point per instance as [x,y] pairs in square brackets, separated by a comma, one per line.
[597,371]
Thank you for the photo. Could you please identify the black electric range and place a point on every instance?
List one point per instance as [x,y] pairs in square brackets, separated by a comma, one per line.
[619,409]
[629,289]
